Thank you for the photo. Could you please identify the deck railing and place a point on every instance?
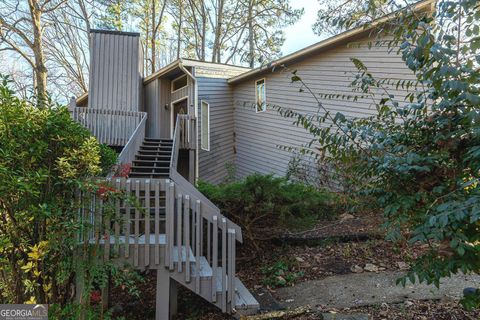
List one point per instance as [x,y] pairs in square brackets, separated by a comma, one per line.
[194,220]
[112,127]
[162,222]
[133,145]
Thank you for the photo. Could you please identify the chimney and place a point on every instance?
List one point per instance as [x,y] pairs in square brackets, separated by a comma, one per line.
[116,70]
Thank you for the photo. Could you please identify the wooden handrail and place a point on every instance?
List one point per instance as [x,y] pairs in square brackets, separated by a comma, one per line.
[210,210]
[136,139]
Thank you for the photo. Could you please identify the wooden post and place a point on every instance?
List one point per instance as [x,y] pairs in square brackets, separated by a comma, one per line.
[162,301]
[186,235]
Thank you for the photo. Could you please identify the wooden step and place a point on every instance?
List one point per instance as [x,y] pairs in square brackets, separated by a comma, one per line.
[167,162]
[152,164]
[158,140]
[205,269]
[138,169]
[183,252]
[245,302]
[147,147]
[149,175]
[153,152]
[165,157]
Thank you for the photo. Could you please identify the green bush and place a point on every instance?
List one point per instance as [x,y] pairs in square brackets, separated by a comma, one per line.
[108,158]
[418,157]
[265,206]
[45,158]
[280,274]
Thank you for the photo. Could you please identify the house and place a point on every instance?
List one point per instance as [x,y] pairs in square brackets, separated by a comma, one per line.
[186,122]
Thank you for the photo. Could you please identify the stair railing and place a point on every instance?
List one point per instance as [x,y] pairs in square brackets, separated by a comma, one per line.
[126,216]
[134,142]
[194,221]
[112,127]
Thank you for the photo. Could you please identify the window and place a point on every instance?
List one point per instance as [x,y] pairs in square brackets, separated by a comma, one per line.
[260,96]
[179,83]
[205,126]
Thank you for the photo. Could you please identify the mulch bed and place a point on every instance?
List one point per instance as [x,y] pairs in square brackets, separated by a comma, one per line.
[355,228]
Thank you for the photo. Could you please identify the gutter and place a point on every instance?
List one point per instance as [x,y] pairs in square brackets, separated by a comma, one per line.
[195,106]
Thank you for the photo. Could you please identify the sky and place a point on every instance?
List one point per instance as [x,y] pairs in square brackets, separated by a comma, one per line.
[300,34]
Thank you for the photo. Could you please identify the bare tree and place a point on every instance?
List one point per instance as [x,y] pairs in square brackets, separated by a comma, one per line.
[22,31]
[67,45]
[150,14]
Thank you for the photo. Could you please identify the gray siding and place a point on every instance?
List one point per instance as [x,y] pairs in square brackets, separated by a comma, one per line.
[115,71]
[218,94]
[258,135]
[157,95]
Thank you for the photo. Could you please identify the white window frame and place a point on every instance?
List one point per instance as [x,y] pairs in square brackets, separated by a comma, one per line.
[202,102]
[264,107]
[176,79]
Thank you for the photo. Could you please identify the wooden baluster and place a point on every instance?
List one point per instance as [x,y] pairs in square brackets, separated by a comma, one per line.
[117,219]
[147,222]
[137,225]
[231,266]
[224,265]
[92,217]
[127,218]
[179,232]
[106,233]
[209,243]
[198,225]
[170,233]
[186,236]
[157,221]
[214,258]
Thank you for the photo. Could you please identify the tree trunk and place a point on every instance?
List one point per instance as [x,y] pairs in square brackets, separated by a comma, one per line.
[251,45]
[153,45]
[216,55]
[40,69]
[179,31]
[204,32]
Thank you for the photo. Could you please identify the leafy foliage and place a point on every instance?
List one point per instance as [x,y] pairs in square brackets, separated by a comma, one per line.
[45,157]
[280,274]
[420,159]
[264,202]
[108,159]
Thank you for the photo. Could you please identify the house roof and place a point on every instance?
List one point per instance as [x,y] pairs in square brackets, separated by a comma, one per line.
[247,73]
[191,63]
[83,98]
[425,5]
[174,65]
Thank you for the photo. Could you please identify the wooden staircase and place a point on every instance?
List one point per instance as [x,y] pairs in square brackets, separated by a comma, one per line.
[152,159]
[172,228]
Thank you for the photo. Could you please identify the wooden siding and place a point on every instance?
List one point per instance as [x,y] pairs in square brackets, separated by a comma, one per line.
[157,95]
[115,71]
[258,135]
[218,94]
